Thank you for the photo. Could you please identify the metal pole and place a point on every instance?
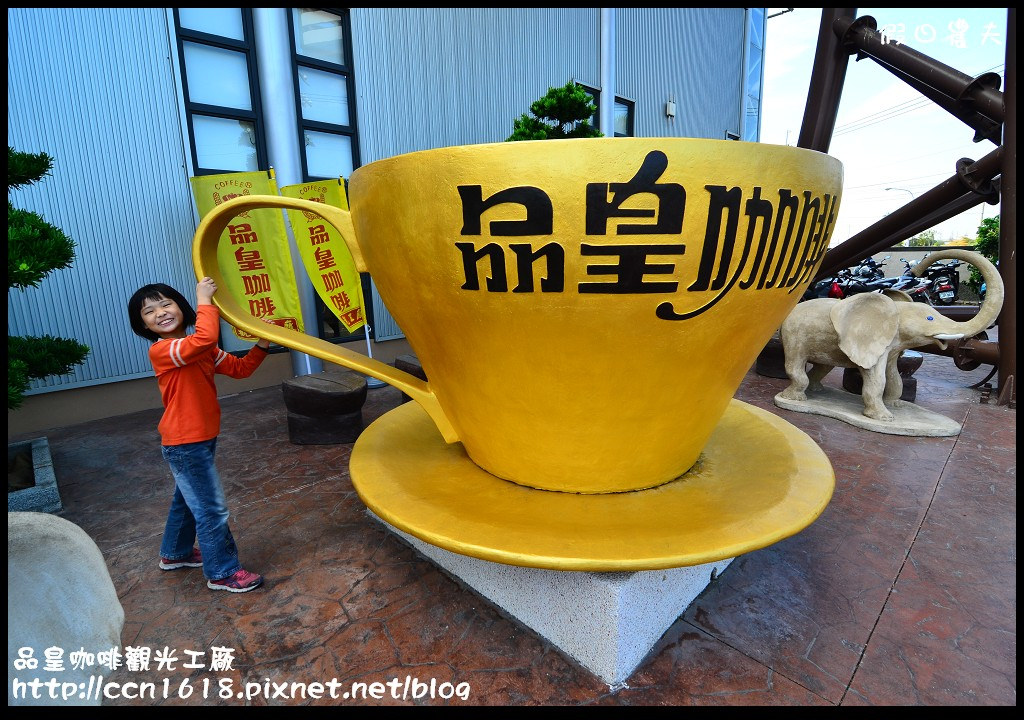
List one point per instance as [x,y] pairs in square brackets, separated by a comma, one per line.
[370,381]
[910,64]
[951,197]
[1008,223]
[273,58]
[606,112]
[827,77]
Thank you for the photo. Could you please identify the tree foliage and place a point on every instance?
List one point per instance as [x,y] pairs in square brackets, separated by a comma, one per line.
[35,248]
[562,112]
[924,239]
[987,245]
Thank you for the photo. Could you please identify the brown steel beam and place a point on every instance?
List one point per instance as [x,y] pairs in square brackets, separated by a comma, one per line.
[826,87]
[975,101]
[977,94]
[960,313]
[967,188]
[1008,225]
[962,204]
[982,351]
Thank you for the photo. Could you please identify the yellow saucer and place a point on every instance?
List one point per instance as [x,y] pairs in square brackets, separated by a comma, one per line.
[759,480]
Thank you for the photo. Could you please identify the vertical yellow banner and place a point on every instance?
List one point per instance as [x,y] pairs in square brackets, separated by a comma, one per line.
[324,253]
[253,253]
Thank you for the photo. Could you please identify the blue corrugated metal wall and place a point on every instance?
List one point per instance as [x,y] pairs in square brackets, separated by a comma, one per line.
[94,89]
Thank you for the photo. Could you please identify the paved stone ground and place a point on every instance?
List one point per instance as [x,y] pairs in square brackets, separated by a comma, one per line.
[903,592]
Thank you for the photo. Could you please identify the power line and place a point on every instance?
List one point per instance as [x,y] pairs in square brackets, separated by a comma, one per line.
[883,113]
[895,110]
[919,180]
[868,122]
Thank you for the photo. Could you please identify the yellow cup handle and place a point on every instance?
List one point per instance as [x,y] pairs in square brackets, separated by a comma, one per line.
[204,260]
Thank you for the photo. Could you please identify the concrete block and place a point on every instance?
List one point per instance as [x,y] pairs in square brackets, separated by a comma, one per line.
[606,622]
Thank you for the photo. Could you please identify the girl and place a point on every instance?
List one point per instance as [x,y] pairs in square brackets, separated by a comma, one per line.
[184,365]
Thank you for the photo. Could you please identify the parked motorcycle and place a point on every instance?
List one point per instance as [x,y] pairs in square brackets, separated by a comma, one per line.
[869,269]
[984,286]
[868,276]
[944,281]
[841,284]
[829,287]
[918,288]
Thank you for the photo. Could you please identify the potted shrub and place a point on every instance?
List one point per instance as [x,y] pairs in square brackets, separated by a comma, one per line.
[35,248]
[562,112]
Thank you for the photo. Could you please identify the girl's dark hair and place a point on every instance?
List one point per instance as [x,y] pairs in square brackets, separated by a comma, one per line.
[155,291]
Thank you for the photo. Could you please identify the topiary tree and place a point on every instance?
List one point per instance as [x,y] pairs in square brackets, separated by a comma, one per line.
[35,248]
[987,244]
[561,113]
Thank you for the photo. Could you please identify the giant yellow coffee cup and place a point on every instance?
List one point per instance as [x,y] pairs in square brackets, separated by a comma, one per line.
[584,309]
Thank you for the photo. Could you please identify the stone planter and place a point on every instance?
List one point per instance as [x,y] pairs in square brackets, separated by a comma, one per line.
[43,495]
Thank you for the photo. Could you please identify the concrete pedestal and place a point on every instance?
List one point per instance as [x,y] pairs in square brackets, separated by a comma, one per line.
[908,419]
[605,621]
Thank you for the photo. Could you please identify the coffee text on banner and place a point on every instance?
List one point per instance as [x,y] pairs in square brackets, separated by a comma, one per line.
[253,254]
[328,262]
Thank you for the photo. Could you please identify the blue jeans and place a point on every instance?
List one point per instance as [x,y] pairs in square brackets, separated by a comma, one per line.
[198,510]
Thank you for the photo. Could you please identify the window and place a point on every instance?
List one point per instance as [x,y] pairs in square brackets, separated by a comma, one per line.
[325,109]
[324,93]
[218,63]
[223,107]
[753,73]
[622,113]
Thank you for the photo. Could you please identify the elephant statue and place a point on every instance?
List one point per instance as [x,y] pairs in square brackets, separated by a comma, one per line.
[869,331]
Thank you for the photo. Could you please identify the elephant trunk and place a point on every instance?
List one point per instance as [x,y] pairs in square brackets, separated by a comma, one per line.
[993,304]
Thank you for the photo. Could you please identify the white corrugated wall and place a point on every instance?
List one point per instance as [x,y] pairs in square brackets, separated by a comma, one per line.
[434,77]
[106,110]
[693,56]
[431,77]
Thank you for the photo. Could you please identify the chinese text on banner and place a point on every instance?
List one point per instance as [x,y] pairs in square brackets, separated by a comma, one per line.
[253,254]
[328,262]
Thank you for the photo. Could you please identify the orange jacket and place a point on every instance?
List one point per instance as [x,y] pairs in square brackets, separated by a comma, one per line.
[184,370]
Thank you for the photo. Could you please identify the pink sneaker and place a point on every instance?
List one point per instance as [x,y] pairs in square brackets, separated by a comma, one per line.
[193,560]
[241,581]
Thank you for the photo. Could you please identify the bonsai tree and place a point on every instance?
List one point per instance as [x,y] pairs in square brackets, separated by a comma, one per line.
[35,248]
[987,245]
[561,113]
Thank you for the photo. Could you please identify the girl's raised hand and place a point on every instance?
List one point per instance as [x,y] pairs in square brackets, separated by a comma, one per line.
[205,289]
[263,342]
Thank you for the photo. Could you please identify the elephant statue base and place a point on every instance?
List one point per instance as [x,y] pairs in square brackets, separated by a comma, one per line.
[869,332]
[908,419]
